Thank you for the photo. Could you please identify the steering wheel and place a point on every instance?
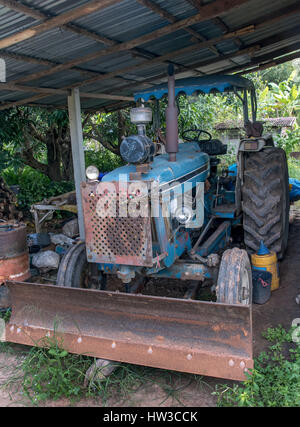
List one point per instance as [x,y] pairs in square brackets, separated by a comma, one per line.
[198,132]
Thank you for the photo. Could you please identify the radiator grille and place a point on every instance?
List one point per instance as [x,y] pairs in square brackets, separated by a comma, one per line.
[114,239]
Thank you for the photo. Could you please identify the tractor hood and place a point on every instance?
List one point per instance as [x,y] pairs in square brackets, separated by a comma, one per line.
[190,163]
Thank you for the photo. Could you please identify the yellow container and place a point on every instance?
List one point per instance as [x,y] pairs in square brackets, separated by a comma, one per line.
[267,262]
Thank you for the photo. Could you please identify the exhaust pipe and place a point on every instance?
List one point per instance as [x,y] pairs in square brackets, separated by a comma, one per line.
[171,118]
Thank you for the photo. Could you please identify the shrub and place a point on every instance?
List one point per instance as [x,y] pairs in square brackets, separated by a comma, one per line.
[34,186]
[275,379]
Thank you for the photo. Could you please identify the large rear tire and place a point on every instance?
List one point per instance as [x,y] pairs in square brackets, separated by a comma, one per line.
[265,200]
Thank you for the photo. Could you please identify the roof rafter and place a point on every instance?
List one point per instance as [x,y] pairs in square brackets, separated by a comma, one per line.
[209,11]
[245,30]
[273,56]
[37,14]
[75,28]
[198,4]
[171,18]
[251,51]
[57,21]
[272,63]
[258,24]
[118,105]
[52,91]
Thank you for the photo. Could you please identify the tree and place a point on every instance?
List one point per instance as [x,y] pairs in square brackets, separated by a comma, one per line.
[109,129]
[280,100]
[38,138]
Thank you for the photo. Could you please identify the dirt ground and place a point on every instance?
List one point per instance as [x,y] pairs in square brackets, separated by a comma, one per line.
[281,309]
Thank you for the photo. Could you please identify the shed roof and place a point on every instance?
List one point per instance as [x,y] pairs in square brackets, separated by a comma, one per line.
[275,122]
[114,48]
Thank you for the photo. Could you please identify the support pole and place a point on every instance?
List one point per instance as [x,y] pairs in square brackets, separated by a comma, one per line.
[77,152]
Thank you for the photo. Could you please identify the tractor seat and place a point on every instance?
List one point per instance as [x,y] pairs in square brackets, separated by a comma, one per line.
[213,147]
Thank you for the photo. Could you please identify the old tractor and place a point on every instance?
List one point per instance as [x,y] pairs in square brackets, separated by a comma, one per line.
[168,213]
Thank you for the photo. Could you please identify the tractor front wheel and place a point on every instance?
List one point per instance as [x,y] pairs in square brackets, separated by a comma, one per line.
[235,278]
[75,272]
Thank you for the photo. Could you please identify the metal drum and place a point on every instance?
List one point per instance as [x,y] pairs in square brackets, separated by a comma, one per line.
[14,257]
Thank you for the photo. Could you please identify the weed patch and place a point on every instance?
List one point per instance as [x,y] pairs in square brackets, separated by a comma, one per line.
[51,373]
[275,379]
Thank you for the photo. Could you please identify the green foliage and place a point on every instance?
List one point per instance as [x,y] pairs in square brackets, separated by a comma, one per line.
[52,373]
[289,141]
[275,379]
[203,111]
[277,74]
[34,186]
[279,100]
[105,160]
[294,168]
[5,314]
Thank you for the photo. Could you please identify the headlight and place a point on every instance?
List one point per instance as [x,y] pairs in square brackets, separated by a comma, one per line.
[184,214]
[92,173]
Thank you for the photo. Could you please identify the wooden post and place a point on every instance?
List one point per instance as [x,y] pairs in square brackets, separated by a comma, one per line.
[77,152]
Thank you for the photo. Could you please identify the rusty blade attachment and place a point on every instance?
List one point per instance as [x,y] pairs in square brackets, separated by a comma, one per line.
[182,335]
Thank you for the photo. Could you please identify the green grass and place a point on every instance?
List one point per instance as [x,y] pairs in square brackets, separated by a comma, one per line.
[275,379]
[51,373]
[294,168]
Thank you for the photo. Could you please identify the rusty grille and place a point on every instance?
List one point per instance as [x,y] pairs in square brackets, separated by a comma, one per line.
[116,240]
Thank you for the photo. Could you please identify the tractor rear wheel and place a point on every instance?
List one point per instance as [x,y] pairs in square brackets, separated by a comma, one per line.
[235,278]
[75,272]
[265,200]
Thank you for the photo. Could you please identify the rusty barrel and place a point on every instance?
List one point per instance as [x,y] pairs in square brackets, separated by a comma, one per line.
[14,257]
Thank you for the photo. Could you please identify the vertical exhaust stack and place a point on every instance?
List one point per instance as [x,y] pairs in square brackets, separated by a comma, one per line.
[171,118]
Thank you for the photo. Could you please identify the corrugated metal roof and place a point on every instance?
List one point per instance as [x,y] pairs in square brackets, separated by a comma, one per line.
[125,21]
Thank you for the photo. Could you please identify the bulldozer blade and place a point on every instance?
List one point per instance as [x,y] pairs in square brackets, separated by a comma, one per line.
[203,338]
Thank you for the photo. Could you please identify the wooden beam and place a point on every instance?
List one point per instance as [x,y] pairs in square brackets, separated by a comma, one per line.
[116,106]
[250,50]
[217,22]
[53,91]
[208,11]
[20,7]
[196,3]
[245,30]
[269,57]
[273,63]
[169,17]
[221,24]
[263,22]
[247,51]
[37,14]
[42,16]
[57,21]
[46,62]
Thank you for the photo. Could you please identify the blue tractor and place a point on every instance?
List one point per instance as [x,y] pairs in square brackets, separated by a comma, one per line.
[169,214]
[187,209]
